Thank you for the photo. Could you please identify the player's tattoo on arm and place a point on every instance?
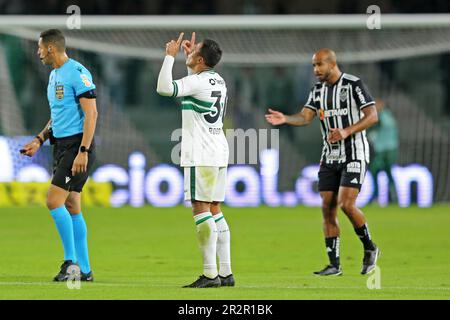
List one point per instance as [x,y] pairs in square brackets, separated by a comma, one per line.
[45,133]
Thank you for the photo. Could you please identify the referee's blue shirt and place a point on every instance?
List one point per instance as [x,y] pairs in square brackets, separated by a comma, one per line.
[65,85]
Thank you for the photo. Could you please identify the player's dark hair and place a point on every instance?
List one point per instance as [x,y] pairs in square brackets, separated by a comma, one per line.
[55,37]
[211,52]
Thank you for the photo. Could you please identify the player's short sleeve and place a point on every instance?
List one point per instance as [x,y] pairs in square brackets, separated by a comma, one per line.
[310,102]
[186,86]
[362,95]
[82,81]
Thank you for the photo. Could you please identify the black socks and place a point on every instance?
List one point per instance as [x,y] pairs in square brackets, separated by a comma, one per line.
[364,235]
[332,245]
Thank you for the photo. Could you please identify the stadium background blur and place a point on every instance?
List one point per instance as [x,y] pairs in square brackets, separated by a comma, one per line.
[413,85]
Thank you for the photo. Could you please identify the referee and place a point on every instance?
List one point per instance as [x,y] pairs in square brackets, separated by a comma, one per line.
[71,95]
[346,110]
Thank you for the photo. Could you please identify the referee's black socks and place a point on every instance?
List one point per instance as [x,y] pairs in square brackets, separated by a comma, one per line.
[364,235]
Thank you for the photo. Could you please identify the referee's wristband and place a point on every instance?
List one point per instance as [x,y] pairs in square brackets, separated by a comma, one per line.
[41,142]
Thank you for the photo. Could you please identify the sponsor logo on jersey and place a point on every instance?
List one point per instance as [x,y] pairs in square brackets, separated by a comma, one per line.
[354,181]
[213,81]
[215,130]
[354,167]
[59,92]
[335,153]
[335,112]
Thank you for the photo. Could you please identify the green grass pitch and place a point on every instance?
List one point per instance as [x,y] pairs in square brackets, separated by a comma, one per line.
[149,253]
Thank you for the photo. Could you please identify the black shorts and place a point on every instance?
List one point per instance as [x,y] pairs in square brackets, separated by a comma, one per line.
[64,152]
[349,174]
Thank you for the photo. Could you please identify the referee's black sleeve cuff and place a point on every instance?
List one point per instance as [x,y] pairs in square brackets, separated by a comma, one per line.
[90,94]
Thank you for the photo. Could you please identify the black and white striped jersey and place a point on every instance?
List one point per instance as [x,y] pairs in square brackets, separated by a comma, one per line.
[340,106]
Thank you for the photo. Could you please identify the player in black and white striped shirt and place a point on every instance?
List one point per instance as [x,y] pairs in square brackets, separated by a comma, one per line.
[346,109]
[339,106]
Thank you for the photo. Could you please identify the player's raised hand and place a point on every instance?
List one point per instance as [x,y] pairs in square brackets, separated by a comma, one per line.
[30,148]
[172,47]
[275,118]
[188,46]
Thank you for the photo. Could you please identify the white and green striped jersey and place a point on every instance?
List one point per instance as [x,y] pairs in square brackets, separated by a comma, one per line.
[204,100]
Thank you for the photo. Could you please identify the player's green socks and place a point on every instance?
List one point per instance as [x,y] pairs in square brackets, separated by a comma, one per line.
[364,235]
[223,245]
[207,239]
[332,245]
[81,244]
[65,229]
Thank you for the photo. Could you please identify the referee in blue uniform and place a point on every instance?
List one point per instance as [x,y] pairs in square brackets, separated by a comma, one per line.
[72,99]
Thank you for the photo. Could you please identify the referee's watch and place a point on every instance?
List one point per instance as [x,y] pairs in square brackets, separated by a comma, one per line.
[83,149]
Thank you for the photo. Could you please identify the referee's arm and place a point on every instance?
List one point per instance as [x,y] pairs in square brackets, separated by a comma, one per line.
[301,118]
[45,133]
[89,107]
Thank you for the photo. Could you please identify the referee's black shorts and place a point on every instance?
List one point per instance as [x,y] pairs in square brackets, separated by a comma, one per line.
[64,152]
[349,174]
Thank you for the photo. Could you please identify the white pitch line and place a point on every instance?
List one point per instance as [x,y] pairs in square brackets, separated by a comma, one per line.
[54,284]
[241,286]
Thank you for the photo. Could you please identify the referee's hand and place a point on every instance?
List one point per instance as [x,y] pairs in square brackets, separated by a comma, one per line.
[30,148]
[80,163]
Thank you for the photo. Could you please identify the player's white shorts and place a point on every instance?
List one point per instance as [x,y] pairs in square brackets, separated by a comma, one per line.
[205,183]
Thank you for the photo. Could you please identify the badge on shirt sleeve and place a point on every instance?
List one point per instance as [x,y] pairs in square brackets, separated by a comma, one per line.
[85,80]
[59,92]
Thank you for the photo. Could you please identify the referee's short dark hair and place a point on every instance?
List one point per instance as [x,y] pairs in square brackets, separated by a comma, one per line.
[211,52]
[55,37]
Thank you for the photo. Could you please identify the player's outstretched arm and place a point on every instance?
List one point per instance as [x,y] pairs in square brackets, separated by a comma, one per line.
[302,118]
[165,86]
[33,146]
